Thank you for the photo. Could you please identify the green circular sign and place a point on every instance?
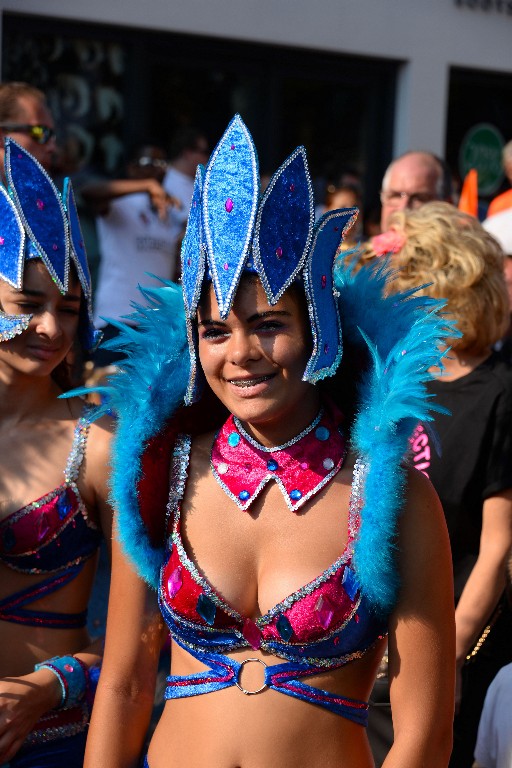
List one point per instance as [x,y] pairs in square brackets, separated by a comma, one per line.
[481,149]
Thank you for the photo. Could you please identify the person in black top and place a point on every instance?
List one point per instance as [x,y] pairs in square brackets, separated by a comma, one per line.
[468,454]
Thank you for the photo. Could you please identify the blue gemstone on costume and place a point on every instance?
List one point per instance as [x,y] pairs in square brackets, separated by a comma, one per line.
[272,465]
[322,433]
[206,608]
[233,439]
[284,628]
[349,582]
[63,505]
[9,539]
[295,494]
[243,495]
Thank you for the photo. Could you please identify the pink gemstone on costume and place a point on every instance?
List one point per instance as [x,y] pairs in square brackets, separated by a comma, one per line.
[68,668]
[43,527]
[279,251]
[292,187]
[40,204]
[324,281]
[174,582]
[304,465]
[226,266]
[324,611]
[55,247]
[252,634]
[2,240]
[228,205]
[232,146]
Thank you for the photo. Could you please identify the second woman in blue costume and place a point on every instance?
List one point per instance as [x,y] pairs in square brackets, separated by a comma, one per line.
[53,479]
[264,516]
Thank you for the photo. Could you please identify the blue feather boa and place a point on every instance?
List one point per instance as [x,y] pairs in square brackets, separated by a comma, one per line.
[403,334]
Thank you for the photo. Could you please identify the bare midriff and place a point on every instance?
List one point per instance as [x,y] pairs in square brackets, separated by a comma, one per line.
[227,729]
[22,646]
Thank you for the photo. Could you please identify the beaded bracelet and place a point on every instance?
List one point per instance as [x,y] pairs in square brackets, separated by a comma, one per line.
[72,676]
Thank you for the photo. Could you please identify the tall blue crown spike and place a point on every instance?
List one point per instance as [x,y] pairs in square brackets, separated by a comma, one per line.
[230,200]
[322,305]
[41,210]
[284,226]
[192,253]
[78,253]
[12,242]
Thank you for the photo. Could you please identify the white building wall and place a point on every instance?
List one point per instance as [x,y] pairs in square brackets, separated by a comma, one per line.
[429,36]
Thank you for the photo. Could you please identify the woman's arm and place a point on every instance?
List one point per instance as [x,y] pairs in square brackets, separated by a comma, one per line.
[25,698]
[486,581]
[124,700]
[422,636]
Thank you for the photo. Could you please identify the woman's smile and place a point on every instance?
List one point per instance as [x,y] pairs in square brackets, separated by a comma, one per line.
[255,359]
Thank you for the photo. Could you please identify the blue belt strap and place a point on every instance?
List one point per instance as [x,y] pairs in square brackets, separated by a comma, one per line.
[12,610]
[224,672]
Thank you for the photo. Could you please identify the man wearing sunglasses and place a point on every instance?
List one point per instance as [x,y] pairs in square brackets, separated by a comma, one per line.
[25,115]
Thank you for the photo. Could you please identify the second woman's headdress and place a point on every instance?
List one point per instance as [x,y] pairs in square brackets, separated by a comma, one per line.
[36,221]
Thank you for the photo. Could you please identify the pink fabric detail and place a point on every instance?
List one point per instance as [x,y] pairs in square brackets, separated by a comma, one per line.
[303,617]
[252,634]
[242,469]
[32,529]
[184,601]
[388,242]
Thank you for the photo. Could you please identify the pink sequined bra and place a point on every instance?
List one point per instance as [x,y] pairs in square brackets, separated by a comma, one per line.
[51,535]
[323,625]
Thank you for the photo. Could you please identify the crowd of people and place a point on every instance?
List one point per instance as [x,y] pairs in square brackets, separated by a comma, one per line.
[299,456]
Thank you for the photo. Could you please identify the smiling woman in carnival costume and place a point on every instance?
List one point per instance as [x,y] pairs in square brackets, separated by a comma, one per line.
[53,462]
[264,516]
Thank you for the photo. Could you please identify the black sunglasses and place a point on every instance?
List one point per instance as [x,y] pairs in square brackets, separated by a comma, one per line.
[41,134]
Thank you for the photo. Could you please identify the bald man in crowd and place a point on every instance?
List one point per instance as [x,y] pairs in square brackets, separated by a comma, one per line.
[412,180]
[26,117]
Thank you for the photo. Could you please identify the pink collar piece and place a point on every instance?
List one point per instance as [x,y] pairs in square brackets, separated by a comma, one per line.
[300,467]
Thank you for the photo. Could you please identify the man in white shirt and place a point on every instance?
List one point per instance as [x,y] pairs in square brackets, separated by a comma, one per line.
[136,236]
[189,148]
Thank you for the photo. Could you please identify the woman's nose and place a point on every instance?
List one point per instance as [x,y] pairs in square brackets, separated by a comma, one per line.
[48,325]
[242,347]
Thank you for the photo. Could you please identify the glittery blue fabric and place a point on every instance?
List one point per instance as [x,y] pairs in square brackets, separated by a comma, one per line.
[78,253]
[273,238]
[322,305]
[12,325]
[12,241]
[284,226]
[230,199]
[192,253]
[36,222]
[41,210]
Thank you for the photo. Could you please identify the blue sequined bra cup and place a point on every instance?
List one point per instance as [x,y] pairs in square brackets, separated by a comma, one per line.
[322,626]
[52,535]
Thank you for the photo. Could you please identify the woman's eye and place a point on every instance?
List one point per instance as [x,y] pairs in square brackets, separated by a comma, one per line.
[27,306]
[213,333]
[270,325]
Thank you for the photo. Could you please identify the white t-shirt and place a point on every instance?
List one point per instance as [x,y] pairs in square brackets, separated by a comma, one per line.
[179,185]
[494,743]
[132,241]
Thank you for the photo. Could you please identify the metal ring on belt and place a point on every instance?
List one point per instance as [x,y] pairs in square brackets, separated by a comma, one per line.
[244,690]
